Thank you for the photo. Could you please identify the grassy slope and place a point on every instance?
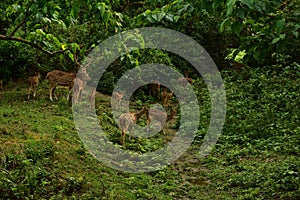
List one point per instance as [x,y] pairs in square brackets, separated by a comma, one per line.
[257,155]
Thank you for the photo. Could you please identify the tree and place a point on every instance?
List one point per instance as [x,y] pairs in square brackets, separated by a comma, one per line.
[265,28]
[52,26]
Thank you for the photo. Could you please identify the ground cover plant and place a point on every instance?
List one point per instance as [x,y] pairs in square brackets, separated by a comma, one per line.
[256,157]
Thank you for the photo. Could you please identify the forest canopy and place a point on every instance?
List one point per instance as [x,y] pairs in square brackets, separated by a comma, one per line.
[42,35]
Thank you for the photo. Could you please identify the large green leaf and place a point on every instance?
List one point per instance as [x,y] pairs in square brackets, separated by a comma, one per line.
[280,25]
[75,11]
[158,16]
[237,27]
[230,6]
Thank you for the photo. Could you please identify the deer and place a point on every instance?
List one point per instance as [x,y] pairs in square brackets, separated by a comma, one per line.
[127,121]
[78,84]
[154,89]
[33,82]
[60,78]
[159,118]
[183,81]
[1,87]
[166,96]
[66,79]
[116,99]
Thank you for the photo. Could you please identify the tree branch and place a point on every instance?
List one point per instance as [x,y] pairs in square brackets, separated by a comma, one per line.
[22,22]
[18,39]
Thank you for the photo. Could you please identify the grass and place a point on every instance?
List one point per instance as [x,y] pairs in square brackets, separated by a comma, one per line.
[256,157]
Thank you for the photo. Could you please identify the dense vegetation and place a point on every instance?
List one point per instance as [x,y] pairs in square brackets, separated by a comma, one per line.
[255,44]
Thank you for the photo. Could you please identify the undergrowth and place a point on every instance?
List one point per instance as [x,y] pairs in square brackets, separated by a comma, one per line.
[256,157]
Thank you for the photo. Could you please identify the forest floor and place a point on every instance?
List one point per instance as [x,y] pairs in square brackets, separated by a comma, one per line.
[256,157]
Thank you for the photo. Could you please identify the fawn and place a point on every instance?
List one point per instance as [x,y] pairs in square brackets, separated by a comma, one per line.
[116,99]
[159,118]
[78,85]
[33,82]
[127,121]
[154,89]
[165,96]
[185,80]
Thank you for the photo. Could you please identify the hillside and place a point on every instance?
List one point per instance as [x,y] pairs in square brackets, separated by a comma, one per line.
[256,157]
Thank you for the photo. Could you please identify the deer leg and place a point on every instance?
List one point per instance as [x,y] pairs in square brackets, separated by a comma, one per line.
[148,123]
[76,96]
[69,93]
[34,92]
[54,93]
[79,95]
[117,103]
[50,92]
[52,89]
[122,139]
[28,97]
[92,98]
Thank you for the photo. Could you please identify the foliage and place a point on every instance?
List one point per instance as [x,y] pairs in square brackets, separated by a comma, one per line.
[256,156]
[264,27]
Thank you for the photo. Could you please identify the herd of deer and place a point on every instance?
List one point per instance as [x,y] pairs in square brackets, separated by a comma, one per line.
[126,120]
[60,78]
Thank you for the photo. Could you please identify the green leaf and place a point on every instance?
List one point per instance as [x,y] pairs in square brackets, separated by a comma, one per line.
[282,36]
[46,20]
[248,3]
[101,8]
[275,40]
[71,56]
[40,31]
[240,12]
[158,16]
[34,8]
[75,11]
[223,24]
[45,10]
[150,19]
[176,18]
[57,42]
[170,17]
[16,7]
[55,15]
[230,6]
[261,5]
[49,36]
[280,25]
[237,27]
[75,47]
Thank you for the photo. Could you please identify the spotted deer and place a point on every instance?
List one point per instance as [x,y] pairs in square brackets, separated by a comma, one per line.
[184,80]
[33,82]
[166,96]
[154,89]
[78,84]
[116,99]
[128,120]
[60,78]
[66,79]
[159,118]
